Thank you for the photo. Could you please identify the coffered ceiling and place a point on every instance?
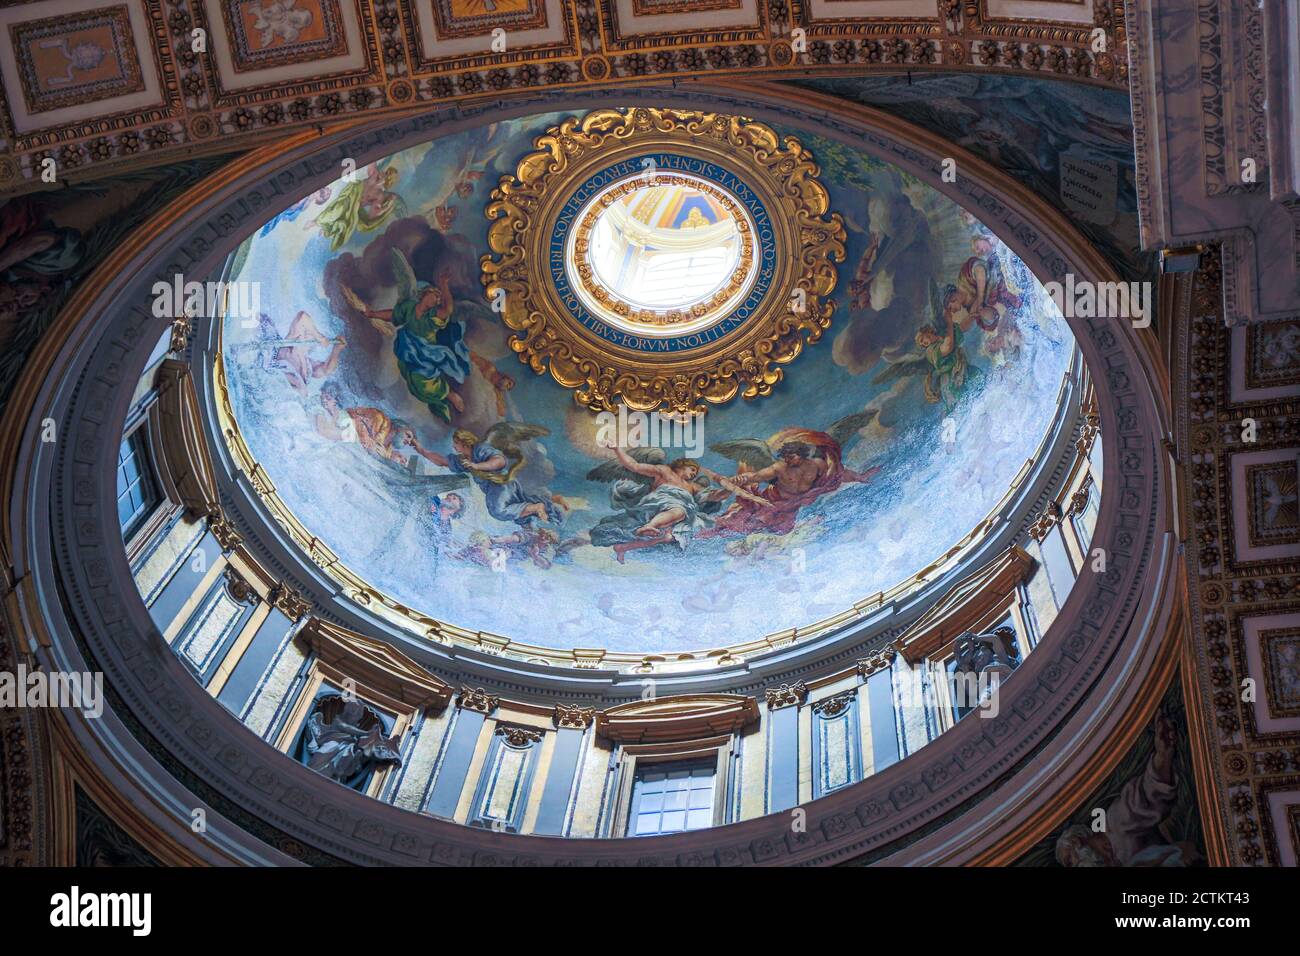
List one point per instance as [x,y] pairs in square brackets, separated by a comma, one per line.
[95,83]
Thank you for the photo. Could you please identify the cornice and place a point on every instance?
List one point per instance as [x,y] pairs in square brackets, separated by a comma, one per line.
[964,603]
[376,664]
[675,719]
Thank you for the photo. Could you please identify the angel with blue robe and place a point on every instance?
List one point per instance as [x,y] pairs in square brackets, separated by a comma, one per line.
[428,342]
[493,463]
[658,502]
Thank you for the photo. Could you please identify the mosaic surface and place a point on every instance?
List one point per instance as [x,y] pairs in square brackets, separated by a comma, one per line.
[377,389]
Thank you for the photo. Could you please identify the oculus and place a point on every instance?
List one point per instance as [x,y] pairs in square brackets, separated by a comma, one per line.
[663,259]
[662,253]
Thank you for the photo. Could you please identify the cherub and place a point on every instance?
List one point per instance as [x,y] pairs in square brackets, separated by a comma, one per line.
[982,292]
[457,180]
[364,203]
[660,502]
[938,355]
[540,546]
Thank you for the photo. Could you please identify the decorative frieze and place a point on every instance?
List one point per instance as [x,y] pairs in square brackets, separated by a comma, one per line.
[1042,525]
[879,661]
[360,58]
[223,530]
[1090,427]
[239,589]
[1079,500]
[519,736]
[833,707]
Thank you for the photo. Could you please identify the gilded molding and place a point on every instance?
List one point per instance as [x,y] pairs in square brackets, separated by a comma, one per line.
[203,113]
[222,529]
[1042,525]
[605,369]
[1235,584]
[879,661]
[1079,500]
[1091,426]
[294,606]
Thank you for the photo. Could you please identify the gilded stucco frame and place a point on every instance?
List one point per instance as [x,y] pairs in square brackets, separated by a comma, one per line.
[524,212]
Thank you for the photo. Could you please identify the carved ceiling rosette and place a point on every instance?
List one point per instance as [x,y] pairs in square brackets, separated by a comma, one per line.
[770,299]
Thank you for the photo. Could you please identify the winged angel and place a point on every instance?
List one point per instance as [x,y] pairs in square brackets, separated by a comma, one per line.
[493,462]
[428,341]
[658,502]
[366,203]
[796,465]
[938,355]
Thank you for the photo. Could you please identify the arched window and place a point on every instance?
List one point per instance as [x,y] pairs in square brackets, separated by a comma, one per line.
[137,492]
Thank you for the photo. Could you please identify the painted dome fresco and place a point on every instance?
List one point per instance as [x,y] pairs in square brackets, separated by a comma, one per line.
[377,385]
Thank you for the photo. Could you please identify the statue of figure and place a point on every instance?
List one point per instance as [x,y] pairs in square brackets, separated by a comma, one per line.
[986,653]
[984,660]
[345,740]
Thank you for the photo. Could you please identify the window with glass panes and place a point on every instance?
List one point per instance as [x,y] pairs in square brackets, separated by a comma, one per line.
[672,797]
[135,490]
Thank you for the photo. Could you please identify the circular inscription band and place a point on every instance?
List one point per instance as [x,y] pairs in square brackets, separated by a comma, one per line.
[662,259]
[601,307]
